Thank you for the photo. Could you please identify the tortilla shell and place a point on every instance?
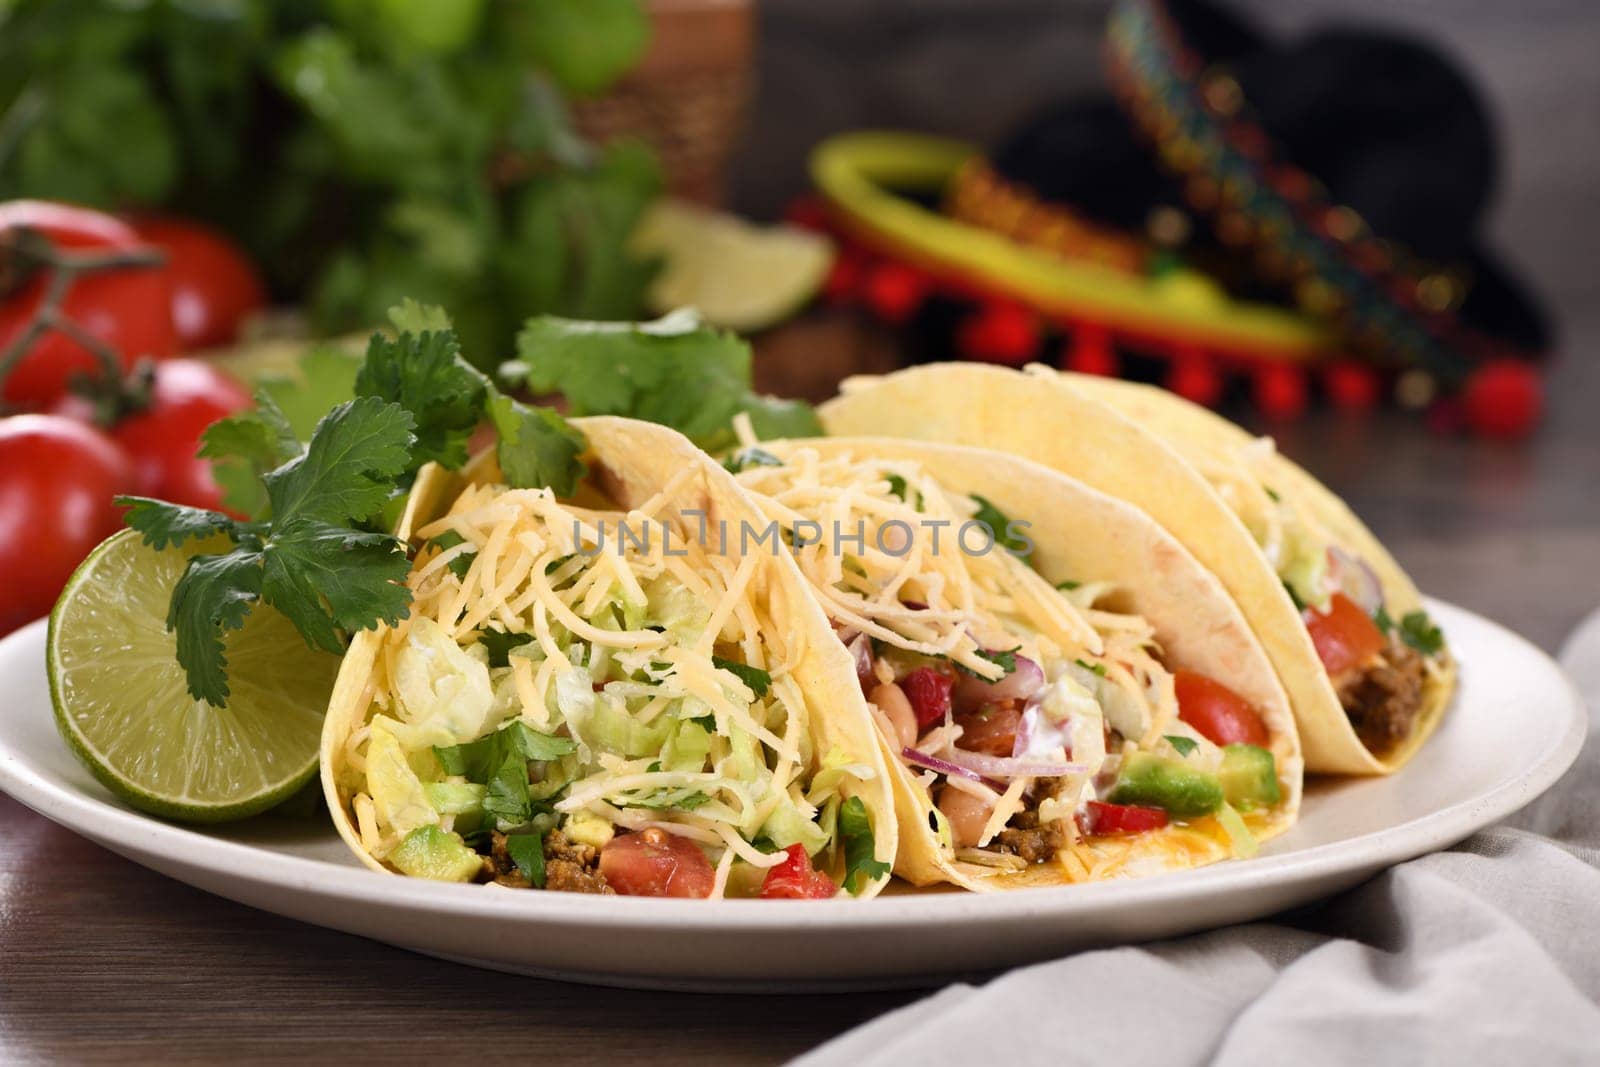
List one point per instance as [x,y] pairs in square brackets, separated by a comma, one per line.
[630,462]
[1132,441]
[1085,535]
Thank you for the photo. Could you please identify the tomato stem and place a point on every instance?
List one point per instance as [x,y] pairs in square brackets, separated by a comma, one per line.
[26,251]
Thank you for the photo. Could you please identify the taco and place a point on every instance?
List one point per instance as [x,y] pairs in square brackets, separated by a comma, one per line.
[1367,672]
[1064,694]
[589,695]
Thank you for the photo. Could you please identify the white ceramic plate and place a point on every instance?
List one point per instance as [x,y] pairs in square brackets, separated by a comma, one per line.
[1516,726]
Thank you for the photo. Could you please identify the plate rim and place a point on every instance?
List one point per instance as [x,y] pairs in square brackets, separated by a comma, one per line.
[135,835]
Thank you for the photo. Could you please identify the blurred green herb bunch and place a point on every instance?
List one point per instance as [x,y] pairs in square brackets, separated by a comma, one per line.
[361,150]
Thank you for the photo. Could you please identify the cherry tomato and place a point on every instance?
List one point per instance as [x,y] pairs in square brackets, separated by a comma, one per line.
[992,729]
[796,879]
[214,287]
[654,863]
[187,396]
[57,478]
[1222,716]
[1102,818]
[1345,635]
[128,309]
[929,693]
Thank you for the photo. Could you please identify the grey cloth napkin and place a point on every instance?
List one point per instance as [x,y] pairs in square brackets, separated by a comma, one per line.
[1487,953]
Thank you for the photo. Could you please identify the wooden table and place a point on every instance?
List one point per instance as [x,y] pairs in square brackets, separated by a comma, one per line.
[103,959]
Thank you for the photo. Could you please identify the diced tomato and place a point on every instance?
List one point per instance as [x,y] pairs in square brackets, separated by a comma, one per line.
[1222,716]
[929,693]
[796,879]
[654,863]
[1102,818]
[1345,635]
[992,729]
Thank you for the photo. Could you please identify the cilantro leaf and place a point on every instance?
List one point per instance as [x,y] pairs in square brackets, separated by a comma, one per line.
[526,850]
[327,578]
[163,524]
[1068,586]
[897,485]
[855,832]
[506,801]
[774,417]
[754,456]
[1294,597]
[673,371]
[1001,528]
[460,565]
[348,470]
[670,798]
[499,643]
[410,316]
[244,447]
[1381,619]
[1006,660]
[758,680]
[323,378]
[1419,631]
[537,446]
[425,374]
[477,760]
[214,595]
[1183,745]
[1092,668]
[262,436]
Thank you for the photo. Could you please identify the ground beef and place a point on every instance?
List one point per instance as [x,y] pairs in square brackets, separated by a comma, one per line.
[569,867]
[1383,698]
[1026,838]
[572,868]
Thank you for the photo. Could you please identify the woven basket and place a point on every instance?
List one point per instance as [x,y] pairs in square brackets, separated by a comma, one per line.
[688,96]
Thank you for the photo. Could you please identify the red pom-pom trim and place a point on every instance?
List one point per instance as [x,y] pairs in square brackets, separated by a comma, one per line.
[894,291]
[1280,392]
[1351,386]
[808,213]
[1091,352]
[1503,400]
[1195,378]
[1000,333]
[846,277]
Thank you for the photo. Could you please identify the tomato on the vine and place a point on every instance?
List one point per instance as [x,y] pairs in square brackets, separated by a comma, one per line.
[57,478]
[161,438]
[128,309]
[214,286]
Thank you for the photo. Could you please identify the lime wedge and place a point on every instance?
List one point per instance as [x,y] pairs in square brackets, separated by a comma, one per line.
[740,276]
[121,704]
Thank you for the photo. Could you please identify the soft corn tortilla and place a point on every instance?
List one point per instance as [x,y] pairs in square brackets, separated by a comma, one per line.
[629,463]
[1084,535]
[1136,442]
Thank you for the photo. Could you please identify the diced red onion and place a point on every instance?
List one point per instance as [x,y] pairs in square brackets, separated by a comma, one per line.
[1356,579]
[1001,767]
[934,763]
[860,647]
[973,692]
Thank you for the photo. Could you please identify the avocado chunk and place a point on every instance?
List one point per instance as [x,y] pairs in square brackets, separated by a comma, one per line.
[1154,781]
[455,798]
[429,852]
[1249,777]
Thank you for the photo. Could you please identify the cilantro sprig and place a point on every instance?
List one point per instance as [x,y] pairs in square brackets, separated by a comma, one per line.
[674,371]
[312,561]
[860,848]
[316,548]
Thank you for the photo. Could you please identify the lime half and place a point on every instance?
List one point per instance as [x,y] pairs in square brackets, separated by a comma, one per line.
[740,276]
[121,701]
